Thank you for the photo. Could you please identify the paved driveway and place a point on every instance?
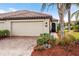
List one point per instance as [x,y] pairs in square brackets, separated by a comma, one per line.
[17,46]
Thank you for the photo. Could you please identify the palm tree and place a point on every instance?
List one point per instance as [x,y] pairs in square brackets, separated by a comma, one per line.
[68,7]
[61,9]
[76,14]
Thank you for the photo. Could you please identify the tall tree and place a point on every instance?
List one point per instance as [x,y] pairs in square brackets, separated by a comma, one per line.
[61,10]
[76,14]
[68,7]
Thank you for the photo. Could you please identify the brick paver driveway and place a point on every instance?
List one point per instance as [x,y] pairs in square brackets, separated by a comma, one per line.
[17,46]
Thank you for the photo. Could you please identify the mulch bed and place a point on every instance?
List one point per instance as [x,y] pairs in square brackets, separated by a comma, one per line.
[58,51]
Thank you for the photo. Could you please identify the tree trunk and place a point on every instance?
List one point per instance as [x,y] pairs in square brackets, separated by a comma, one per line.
[62,27]
[60,7]
[69,20]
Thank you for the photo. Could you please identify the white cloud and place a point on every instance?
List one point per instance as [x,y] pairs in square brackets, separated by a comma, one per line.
[9,10]
[2,11]
[12,9]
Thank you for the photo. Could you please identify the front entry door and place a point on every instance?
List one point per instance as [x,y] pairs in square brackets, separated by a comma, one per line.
[53,27]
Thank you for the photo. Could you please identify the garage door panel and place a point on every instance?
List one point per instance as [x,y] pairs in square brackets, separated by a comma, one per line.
[1,25]
[27,28]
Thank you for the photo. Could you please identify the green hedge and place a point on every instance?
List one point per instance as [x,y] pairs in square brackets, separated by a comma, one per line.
[77,27]
[4,33]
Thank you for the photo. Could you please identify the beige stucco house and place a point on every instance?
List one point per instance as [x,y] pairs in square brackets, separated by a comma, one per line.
[26,23]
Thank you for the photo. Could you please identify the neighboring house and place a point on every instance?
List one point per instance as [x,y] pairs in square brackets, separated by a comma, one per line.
[26,23]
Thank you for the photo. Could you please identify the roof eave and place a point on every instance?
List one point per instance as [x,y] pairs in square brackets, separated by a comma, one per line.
[19,18]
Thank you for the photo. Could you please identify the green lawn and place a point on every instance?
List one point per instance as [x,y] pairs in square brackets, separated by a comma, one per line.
[74,34]
[65,30]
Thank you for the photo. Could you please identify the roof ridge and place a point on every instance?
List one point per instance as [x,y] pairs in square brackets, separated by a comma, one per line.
[9,13]
[38,12]
[16,14]
[25,11]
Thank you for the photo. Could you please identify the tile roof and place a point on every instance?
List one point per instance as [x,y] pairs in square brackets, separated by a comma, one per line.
[23,14]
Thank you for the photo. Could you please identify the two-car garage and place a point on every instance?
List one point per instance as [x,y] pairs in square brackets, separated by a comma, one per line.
[27,28]
[26,23]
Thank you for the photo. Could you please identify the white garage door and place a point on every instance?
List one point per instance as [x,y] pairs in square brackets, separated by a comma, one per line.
[29,28]
[1,25]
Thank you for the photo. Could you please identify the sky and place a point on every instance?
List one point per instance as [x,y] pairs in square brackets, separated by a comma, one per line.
[9,7]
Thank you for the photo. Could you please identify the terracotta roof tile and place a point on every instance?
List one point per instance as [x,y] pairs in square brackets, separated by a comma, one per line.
[23,13]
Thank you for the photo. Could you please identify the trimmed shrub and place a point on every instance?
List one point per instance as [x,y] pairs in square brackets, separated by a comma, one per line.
[45,38]
[40,41]
[7,33]
[76,28]
[45,41]
[4,33]
[72,27]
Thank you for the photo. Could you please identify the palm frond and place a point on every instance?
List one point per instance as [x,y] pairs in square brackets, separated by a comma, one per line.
[77,4]
[75,13]
[46,5]
[43,6]
[67,6]
[50,5]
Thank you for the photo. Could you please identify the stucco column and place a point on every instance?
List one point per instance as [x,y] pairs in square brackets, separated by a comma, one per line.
[56,26]
[46,26]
